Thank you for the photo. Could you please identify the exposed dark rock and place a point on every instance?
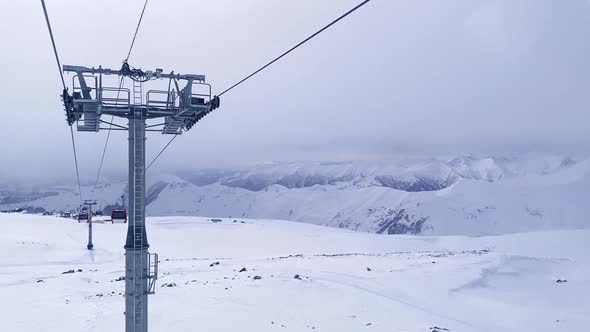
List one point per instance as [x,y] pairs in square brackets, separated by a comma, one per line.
[206,177]
[400,222]
[251,182]
[152,193]
[21,197]
[418,184]
[302,180]
[34,209]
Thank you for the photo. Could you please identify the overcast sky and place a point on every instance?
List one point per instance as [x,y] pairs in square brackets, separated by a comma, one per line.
[426,77]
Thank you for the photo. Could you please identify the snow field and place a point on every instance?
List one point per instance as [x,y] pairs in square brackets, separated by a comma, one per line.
[346,281]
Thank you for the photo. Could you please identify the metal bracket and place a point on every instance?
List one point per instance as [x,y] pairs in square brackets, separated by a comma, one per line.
[180,108]
[152,272]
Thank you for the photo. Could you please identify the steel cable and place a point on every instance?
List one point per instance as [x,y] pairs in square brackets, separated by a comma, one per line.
[64,86]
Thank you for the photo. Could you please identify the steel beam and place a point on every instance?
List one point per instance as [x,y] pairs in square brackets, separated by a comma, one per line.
[149,74]
[89,204]
[136,246]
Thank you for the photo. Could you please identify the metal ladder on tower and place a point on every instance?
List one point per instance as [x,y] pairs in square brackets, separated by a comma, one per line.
[137,92]
[152,272]
[139,187]
[138,202]
[139,172]
[138,205]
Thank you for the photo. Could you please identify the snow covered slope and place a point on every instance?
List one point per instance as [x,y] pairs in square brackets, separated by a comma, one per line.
[308,278]
[465,195]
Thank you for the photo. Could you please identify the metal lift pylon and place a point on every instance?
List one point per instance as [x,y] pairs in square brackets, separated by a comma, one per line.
[89,203]
[181,109]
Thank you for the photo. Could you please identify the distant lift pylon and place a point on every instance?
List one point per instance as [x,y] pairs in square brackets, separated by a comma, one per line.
[180,108]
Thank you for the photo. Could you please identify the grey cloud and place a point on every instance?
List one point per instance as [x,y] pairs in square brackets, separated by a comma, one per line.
[459,76]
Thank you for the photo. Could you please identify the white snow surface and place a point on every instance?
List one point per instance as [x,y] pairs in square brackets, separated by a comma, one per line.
[349,281]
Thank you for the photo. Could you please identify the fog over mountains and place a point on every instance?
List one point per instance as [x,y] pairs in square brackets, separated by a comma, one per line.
[462,195]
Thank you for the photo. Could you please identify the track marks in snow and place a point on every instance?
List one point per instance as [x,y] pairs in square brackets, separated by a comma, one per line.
[379,290]
[278,270]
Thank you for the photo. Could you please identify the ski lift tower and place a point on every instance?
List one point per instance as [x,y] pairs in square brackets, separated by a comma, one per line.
[89,203]
[179,108]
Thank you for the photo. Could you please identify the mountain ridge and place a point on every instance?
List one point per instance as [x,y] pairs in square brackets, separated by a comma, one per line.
[462,195]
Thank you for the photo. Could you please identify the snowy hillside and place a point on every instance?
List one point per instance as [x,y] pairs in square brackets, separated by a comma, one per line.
[296,277]
[465,195]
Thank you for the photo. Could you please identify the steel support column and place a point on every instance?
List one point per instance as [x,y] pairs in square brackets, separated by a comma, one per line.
[89,203]
[90,246]
[136,246]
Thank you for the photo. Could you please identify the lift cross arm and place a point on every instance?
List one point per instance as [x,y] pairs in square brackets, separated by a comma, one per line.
[158,73]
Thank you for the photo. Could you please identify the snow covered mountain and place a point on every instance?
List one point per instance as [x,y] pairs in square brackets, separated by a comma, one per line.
[464,195]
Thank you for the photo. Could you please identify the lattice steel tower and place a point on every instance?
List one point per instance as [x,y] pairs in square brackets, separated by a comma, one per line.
[180,108]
